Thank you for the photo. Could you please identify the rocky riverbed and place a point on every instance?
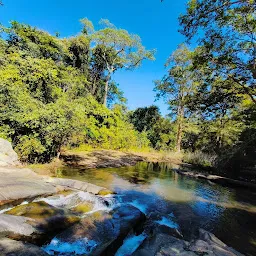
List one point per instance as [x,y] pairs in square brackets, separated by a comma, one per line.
[40,215]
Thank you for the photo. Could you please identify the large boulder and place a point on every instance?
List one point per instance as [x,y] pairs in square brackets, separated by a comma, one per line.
[162,244]
[8,156]
[21,183]
[35,222]
[96,233]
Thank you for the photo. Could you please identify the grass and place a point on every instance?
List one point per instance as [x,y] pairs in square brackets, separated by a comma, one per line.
[48,168]
[200,159]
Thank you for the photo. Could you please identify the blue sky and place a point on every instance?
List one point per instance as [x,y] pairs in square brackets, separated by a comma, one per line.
[155,22]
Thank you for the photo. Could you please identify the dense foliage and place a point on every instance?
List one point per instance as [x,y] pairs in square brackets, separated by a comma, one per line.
[211,89]
[52,90]
[159,130]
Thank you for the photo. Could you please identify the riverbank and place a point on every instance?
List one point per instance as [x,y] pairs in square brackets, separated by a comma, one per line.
[187,170]
[43,215]
[103,159]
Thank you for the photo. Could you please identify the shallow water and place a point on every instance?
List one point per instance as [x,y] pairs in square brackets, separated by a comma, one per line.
[228,213]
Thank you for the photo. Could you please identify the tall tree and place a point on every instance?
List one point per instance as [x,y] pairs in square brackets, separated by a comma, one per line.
[176,87]
[117,48]
[226,32]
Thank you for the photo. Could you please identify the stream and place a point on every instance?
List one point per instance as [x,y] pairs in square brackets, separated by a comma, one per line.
[228,213]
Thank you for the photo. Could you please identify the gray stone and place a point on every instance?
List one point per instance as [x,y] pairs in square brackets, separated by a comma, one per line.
[10,247]
[21,183]
[163,244]
[15,224]
[8,156]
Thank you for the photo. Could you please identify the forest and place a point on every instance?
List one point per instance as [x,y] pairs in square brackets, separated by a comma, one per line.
[60,93]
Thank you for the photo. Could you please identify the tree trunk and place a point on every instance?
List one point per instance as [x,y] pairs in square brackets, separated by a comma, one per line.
[179,137]
[106,91]
[180,128]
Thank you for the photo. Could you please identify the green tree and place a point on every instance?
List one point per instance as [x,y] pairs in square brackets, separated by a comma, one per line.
[117,49]
[158,130]
[177,87]
[225,30]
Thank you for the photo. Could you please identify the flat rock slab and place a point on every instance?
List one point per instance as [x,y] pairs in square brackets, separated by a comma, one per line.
[79,185]
[15,224]
[10,247]
[21,183]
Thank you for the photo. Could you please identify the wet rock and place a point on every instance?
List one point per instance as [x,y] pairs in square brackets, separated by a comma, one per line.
[10,247]
[162,223]
[36,222]
[92,235]
[8,156]
[35,210]
[82,208]
[17,183]
[97,233]
[163,244]
[129,218]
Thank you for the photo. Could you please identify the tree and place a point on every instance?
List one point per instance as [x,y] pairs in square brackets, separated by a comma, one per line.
[144,118]
[226,33]
[176,88]
[117,48]
[159,130]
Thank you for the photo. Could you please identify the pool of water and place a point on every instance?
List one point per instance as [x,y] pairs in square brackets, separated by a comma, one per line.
[227,212]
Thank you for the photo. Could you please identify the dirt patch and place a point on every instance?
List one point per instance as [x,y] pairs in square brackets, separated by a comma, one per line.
[111,158]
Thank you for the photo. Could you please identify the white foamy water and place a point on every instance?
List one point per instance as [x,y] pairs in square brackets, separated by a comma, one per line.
[100,203]
[168,222]
[130,245]
[78,247]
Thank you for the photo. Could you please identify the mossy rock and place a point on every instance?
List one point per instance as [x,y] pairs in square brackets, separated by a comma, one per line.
[66,192]
[83,208]
[105,192]
[36,210]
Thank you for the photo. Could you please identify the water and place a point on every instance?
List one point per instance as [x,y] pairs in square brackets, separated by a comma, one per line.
[228,213]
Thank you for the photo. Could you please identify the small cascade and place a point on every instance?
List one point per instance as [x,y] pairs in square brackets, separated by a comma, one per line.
[100,203]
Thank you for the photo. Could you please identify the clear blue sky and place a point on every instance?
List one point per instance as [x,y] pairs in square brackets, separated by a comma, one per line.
[155,22]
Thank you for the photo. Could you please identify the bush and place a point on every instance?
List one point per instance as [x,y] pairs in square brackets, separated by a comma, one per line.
[200,159]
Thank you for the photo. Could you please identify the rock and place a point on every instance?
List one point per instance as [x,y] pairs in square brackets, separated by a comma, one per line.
[97,233]
[37,222]
[130,219]
[79,185]
[10,247]
[22,183]
[82,208]
[163,245]
[91,235]
[162,223]
[214,245]
[8,156]
[16,225]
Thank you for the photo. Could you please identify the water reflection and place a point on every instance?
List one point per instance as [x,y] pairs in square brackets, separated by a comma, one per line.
[228,213]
